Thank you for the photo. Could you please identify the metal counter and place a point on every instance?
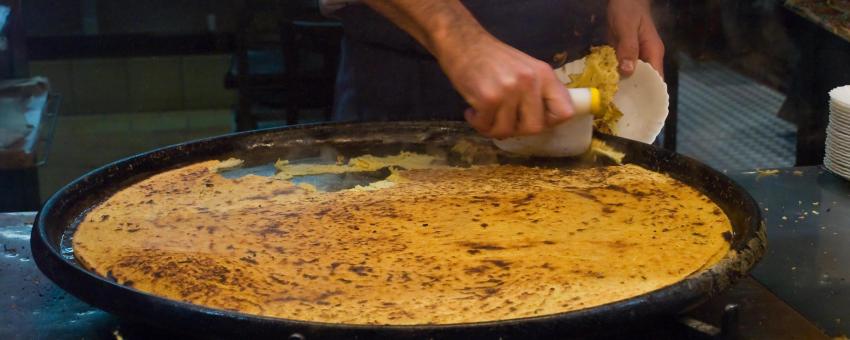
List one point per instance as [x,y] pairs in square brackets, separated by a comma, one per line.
[807,264]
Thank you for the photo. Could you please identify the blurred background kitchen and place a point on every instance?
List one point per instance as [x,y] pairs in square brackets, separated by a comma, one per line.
[105,80]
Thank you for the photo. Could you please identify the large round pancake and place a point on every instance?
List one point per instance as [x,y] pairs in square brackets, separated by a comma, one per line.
[441,246]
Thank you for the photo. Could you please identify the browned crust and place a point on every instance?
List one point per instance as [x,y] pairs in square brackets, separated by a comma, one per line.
[444,246]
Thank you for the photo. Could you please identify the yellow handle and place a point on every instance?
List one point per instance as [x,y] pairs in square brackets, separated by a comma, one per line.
[595,101]
[586,100]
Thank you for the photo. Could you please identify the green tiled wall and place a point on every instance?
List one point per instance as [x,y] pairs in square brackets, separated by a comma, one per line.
[102,86]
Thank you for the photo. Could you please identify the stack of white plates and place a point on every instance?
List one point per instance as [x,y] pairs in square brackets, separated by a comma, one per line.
[837,157]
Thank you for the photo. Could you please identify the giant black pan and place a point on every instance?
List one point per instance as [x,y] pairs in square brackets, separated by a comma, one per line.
[57,218]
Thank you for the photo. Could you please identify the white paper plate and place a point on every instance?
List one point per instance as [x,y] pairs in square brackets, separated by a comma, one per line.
[838,132]
[829,164]
[833,105]
[642,97]
[843,148]
[837,164]
[840,120]
[838,128]
[838,106]
[838,124]
[840,96]
[837,152]
[837,157]
[839,112]
[836,110]
[837,169]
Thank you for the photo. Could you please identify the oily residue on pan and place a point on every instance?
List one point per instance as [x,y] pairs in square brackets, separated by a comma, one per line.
[440,246]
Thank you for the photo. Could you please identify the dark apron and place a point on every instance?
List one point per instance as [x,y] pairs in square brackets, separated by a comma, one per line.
[386,75]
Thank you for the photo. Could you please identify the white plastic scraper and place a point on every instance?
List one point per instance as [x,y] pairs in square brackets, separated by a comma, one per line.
[569,138]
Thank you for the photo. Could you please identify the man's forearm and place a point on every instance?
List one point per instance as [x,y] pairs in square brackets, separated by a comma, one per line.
[441,26]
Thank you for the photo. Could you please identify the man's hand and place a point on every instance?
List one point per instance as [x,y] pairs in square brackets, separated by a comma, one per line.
[633,34]
[510,92]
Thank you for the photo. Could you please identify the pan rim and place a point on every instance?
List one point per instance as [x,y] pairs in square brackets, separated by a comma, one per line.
[688,291]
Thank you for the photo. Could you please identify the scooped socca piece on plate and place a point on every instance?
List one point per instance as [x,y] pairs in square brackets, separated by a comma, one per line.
[633,107]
